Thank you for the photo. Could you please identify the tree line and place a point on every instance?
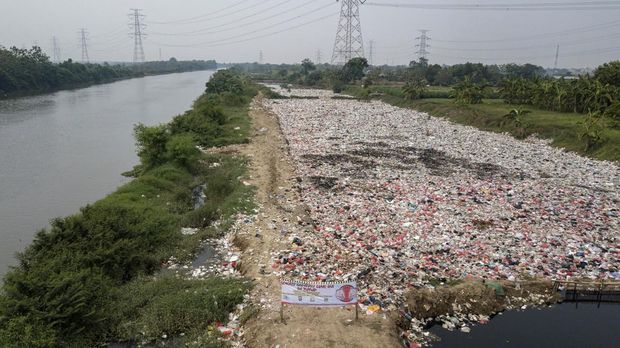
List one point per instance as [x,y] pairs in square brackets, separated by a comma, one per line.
[26,71]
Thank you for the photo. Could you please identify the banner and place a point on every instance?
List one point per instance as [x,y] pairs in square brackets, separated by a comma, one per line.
[319,294]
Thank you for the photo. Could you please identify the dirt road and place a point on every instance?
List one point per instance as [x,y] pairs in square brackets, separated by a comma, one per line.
[282,213]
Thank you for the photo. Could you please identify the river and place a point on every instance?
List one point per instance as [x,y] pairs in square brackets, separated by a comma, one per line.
[64,150]
[564,325]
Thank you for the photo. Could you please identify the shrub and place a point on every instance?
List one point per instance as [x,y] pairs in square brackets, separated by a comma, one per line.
[181,149]
[414,89]
[151,143]
[224,81]
[468,92]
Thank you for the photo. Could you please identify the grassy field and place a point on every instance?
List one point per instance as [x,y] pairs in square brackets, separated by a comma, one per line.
[562,128]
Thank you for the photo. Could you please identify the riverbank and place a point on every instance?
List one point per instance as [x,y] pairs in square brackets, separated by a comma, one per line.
[91,126]
[23,94]
[93,277]
[30,72]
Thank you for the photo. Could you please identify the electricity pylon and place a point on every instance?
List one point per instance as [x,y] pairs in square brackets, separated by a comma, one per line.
[84,44]
[423,45]
[349,43]
[138,28]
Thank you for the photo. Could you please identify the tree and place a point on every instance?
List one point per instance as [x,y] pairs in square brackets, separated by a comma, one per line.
[468,92]
[609,73]
[353,70]
[414,89]
[307,66]
[151,143]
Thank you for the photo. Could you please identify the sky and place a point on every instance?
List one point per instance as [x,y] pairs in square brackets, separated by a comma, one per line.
[287,31]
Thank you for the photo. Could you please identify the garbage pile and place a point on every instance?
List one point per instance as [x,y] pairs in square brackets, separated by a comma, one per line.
[303,93]
[220,257]
[400,198]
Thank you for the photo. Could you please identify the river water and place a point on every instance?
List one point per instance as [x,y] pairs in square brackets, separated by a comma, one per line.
[61,151]
[564,325]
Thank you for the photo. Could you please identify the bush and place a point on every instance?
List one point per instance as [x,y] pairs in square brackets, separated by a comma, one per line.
[170,305]
[181,149]
[224,81]
[151,143]
[468,92]
[609,73]
[414,89]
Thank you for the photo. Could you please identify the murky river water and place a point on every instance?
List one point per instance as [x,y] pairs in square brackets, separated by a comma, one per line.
[562,326]
[61,151]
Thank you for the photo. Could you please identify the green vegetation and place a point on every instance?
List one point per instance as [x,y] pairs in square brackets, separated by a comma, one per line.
[93,277]
[29,71]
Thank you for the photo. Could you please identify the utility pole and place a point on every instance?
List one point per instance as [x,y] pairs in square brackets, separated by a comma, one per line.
[84,44]
[55,50]
[318,56]
[349,43]
[137,26]
[370,52]
[260,57]
[557,54]
[423,45]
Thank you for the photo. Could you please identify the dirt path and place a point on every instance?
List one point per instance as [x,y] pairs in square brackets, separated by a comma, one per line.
[281,215]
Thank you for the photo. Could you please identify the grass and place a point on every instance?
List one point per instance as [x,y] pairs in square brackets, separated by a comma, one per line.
[562,128]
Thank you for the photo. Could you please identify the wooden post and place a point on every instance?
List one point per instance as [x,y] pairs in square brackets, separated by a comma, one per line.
[282,311]
[356,315]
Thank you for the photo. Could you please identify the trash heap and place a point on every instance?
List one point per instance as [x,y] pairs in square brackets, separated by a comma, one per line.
[222,257]
[303,93]
[400,199]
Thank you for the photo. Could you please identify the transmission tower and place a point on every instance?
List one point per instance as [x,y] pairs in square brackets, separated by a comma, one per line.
[318,56]
[260,57]
[55,50]
[557,54]
[423,45]
[84,44]
[349,43]
[138,27]
[370,52]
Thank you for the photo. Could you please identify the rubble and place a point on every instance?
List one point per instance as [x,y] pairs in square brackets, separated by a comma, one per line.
[401,200]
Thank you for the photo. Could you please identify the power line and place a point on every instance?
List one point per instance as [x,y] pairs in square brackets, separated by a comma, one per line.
[349,43]
[259,36]
[216,42]
[138,27]
[210,16]
[542,35]
[235,23]
[520,48]
[546,6]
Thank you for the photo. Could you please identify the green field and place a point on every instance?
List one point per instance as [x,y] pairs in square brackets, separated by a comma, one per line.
[562,128]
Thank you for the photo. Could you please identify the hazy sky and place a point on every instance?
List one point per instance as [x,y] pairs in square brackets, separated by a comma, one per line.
[288,31]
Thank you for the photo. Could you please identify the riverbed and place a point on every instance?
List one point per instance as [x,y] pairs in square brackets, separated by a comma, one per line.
[64,150]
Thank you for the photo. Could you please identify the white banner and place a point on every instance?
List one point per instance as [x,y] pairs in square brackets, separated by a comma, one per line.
[319,294]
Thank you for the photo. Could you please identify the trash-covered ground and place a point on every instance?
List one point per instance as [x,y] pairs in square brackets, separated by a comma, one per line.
[400,200]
